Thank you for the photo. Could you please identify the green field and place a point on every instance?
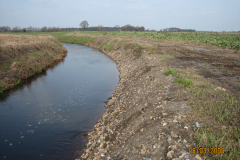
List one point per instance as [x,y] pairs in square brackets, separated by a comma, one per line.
[229,40]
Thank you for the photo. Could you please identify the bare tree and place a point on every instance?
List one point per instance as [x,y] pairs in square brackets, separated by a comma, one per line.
[84,24]
[30,29]
[100,27]
[118,28]
[44,29]
[5,28]
[17,29]
[141,29]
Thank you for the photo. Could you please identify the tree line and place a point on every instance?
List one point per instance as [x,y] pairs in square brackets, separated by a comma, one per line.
[33,29]
[84,26]
[127,27]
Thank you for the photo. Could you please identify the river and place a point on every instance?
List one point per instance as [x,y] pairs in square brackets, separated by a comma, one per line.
[45,118]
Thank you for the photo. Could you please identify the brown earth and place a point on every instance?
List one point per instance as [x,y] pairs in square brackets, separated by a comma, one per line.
[23,56]
[149,116]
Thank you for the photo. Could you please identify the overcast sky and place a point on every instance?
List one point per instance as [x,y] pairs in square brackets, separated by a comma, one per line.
[202,15]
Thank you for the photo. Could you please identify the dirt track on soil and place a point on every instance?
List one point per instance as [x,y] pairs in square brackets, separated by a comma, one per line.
[145,120]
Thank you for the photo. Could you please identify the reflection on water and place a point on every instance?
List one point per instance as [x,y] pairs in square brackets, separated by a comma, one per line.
[46,118]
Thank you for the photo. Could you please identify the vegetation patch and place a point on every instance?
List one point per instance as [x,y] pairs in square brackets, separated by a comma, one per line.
[178,78]
[76,39]
[102,45]
[229,40]
[223,109]
[23,56]
[218,108]
[151,53]
[2,88]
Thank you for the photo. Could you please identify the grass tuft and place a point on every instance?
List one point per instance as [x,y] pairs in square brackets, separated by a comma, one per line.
[151,53]
[179,79]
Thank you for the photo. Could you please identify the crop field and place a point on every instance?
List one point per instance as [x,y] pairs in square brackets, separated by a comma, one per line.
[230,40]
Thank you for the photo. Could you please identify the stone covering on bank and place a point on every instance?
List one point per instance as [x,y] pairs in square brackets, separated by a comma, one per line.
[144,119]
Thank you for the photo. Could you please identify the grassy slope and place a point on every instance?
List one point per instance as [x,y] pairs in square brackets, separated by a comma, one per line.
[23,56]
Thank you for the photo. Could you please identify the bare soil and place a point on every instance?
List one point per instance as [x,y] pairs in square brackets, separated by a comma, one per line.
[149,116]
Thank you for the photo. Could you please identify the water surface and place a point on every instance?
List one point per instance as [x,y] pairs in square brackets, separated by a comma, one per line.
[46,118]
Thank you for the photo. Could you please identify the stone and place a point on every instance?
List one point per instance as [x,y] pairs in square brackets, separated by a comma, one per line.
[174,147]
[164,124]
[143,152]
[165,114]
[198,157]
[220,88]
[169,154]
[183,154]
[184,141]
[169,138]
[224,127]
[185,127]
[174,135]
[187,156]
[175,121]
[197,124]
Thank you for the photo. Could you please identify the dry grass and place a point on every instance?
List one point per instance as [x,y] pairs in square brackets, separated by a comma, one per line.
[12,46]
[22,56]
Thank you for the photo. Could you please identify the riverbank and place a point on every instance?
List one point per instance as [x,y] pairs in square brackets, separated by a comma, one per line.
[23,56]
[166,91]
[174,94]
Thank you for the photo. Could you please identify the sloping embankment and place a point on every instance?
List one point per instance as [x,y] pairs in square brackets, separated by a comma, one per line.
[151,113]
[140,115]
[23,56]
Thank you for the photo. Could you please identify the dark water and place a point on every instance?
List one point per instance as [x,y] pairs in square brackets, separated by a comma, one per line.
[45,119]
